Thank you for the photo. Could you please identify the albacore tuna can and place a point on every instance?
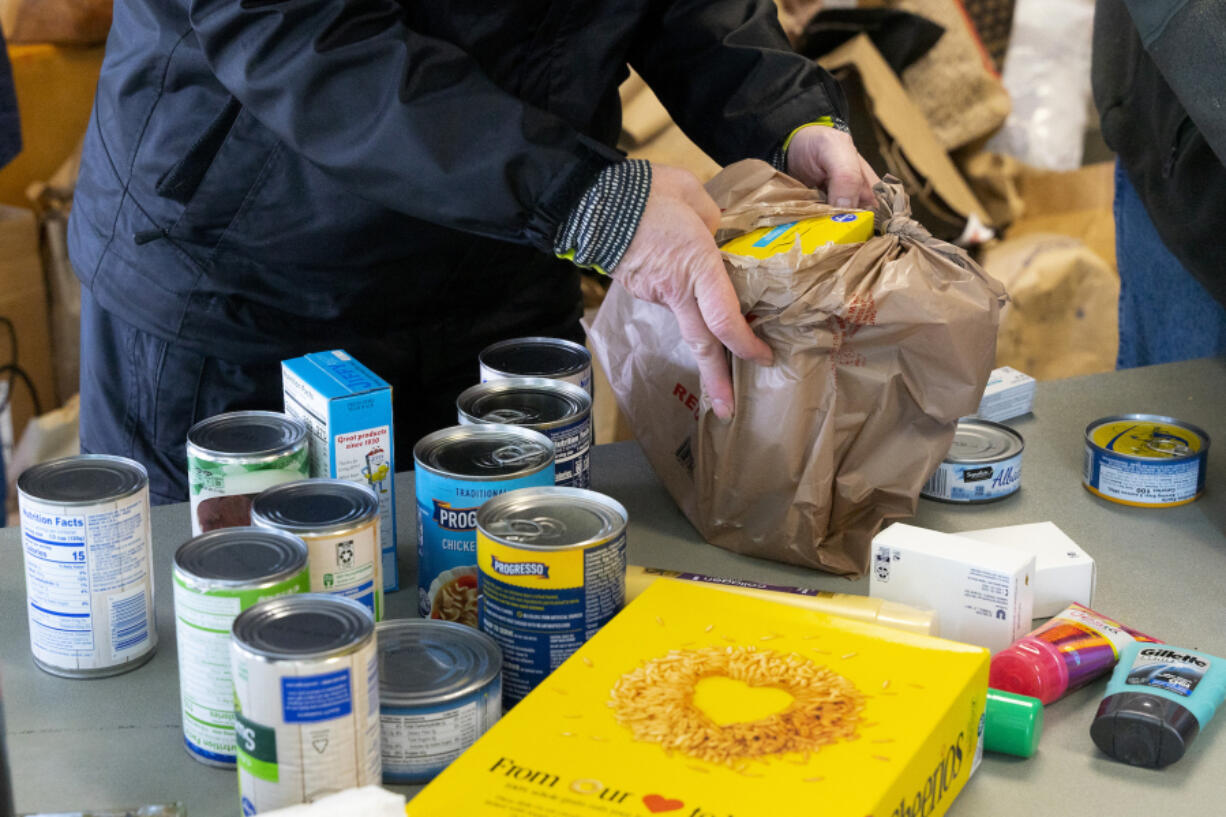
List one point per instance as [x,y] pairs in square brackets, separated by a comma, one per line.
[553,358]
[232,457]
[559,410]
[552,571]
[439,690]
[217,575]
[984,464]
[88,561]
[1145,460]
[457,469]
[339,521]
[306,691]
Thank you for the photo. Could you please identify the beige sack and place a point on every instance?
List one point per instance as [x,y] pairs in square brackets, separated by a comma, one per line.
[879,348]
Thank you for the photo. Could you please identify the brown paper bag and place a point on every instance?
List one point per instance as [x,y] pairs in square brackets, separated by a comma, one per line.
[879,348]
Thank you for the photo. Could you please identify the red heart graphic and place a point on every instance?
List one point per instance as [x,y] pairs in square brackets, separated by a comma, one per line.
[656,803]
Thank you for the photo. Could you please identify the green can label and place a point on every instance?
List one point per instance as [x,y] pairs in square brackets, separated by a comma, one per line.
[221,493]
[257,749]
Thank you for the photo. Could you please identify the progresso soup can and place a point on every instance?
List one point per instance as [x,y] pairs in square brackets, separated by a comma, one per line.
[89,565]
[552,571]
[984,464]
[339,521]
[553,358]
[1145,460]
[306,693]
[457,469]
[439,690]
[232,457]
[217,575]
[559,410]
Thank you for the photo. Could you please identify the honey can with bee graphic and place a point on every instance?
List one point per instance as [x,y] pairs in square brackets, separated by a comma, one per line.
[1145,460]
[339,521]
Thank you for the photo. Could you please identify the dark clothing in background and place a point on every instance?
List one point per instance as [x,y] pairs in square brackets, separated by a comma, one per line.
[10,124]
[1158,73]
[263,178]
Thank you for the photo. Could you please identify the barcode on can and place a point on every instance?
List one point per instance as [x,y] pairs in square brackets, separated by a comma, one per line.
[937,484]
[129,620]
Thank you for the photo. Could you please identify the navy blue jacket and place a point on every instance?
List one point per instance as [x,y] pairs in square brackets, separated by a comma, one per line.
[264,170]
[10,124]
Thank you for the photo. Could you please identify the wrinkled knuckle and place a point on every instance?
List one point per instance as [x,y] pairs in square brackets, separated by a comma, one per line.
[703,348]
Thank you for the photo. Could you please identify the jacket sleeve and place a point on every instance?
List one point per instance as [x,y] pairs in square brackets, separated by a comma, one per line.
[728,76]
[400,118]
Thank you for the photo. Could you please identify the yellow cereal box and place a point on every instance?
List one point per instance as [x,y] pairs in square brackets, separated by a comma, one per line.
[810,233]
[694,702]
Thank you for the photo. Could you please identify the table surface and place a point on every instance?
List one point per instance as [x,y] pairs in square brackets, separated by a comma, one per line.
[111,742]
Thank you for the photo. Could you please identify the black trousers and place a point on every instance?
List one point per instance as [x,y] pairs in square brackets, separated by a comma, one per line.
[141,393]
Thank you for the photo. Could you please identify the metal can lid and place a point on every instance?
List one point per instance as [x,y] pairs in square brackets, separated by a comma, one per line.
[980,441]
[536,402]
[237,557]
[491,451]
[1147,437]
[427,661]
[304,626]
[552,518]
[85,479]
[247,435]
[314,506]
[536,356]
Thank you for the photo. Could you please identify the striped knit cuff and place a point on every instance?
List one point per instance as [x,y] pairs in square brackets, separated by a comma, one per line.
[778,157]
[598,231]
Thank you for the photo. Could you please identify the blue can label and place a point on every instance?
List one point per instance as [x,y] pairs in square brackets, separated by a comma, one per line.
[542,605]
[573,453]
[447,539]
[420,741]
[979,482]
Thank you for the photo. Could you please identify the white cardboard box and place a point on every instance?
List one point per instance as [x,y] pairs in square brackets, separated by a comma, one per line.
[1008,394]
[983,593]
[1064,573]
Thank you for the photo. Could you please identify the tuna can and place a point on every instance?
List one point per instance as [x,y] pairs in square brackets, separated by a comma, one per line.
[553,358]
[217,575]
[88,559]
[232,457]
[440,689]
[457,469]
[306,692]
[983,464]
[339,521]
[552,571]
[559,410]
[1145,460]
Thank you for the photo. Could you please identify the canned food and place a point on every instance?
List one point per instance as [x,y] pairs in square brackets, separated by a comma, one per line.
[217,575]
[1145,460]
[339,521]
[552,571]
[561,411]
[306,692]
[553,358]
[983,464]
[232,457]
[88,561]
[457,469]
[439,690]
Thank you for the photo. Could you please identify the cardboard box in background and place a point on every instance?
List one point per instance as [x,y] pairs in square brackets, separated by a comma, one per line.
[1075,203]
[564,752]
[23,300]
[347,410]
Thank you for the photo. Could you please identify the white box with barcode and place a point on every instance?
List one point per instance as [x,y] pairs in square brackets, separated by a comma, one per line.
[1063,572]
[982,593]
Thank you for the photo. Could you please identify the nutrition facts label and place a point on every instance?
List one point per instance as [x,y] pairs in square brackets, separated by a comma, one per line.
[418,743]
[88,582]
[1159,483]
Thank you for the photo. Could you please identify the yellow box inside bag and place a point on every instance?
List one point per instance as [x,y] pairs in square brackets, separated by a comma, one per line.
[811,233]
[698,703]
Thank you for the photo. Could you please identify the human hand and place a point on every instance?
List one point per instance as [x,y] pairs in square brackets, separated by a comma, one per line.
[673,261]
[825,157]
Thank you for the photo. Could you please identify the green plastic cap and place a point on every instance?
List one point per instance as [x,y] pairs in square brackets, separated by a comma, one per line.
[1012,723]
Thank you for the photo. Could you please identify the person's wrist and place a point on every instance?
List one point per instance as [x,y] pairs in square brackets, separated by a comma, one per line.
[600,228]
[778,157]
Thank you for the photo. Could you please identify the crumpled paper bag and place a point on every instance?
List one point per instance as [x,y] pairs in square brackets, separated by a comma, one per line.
[879,348]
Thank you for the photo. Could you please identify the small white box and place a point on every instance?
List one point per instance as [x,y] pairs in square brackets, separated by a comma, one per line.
[983,593]
[1008,394]
[1064,573]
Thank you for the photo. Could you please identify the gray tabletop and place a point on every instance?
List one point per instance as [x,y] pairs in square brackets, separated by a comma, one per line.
[117,741]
